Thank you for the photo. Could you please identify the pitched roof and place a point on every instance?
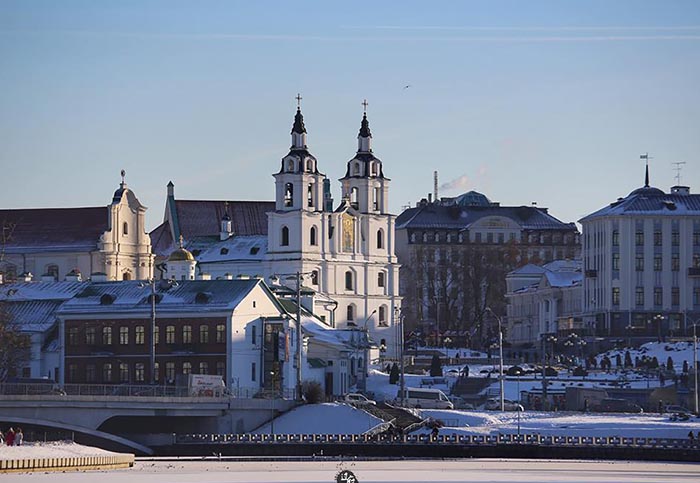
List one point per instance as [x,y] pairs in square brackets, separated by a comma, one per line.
[650,201]
[54,229]
[32,305]
[456,217]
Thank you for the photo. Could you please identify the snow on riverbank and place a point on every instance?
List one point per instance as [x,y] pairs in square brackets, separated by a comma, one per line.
[58,449]
[329,418]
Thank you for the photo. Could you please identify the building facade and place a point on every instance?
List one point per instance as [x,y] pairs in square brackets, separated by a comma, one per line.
[51,243]
[455,255]
[641,258]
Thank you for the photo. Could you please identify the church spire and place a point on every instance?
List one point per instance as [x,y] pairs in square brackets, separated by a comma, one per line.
[298,129]
[364,144]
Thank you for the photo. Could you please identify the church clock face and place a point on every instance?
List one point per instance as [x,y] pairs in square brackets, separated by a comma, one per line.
[348,233]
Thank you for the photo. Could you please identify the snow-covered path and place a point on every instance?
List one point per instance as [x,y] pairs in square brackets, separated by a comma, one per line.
[473,471]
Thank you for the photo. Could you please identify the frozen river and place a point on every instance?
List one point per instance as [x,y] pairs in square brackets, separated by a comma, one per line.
[474,471]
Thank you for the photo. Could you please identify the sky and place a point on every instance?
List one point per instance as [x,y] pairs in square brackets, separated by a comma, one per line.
[540,101]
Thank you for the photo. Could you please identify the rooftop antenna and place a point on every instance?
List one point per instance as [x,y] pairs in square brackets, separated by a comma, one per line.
[646,158]
[678,166]
[435,185]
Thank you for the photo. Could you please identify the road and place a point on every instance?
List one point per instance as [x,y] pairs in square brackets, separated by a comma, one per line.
[473,471]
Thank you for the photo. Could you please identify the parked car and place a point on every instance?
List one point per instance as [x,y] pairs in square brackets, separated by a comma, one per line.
[494,404]
[358,399]
[460,403]
[617,406]
[672,408]
[425,398]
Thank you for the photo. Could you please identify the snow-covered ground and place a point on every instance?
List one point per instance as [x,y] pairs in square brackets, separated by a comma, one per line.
[329,418]
[677,351]
[50,450]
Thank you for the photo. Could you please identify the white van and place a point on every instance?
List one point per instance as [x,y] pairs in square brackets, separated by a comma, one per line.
[424,398]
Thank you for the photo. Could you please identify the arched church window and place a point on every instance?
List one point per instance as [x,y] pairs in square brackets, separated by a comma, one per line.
[285,236]
[312,236]
[356,169]
[349,282]
[353,198]
[310,195]
[381,279]
[314,277]
[290,165]
[382,315]
[126,276]
[375,201]
[309,166]
[380,239]
[288,194]
[125,229]
[373,168]
[350,313]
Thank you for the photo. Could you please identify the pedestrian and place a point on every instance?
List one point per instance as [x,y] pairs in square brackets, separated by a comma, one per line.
[10,437]
[691,437]
[19,437]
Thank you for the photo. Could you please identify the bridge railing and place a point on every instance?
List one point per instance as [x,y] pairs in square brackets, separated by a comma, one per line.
[447,439]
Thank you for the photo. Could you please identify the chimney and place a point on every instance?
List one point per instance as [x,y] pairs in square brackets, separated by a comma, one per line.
[98,277]
[74,276]
[228,276]
[435,186]
[430,197]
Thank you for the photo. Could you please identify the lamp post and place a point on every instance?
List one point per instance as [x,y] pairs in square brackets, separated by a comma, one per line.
[657,319]
[545,339]
[500,357]
[151,283]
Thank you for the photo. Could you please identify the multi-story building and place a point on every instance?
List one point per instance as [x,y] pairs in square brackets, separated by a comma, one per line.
[544,301]
[50,243]
[455,255]
[641,257]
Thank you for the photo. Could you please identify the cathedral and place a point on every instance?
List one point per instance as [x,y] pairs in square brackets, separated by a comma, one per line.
[345,254]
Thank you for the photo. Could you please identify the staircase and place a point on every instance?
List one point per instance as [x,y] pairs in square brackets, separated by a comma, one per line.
[400,418]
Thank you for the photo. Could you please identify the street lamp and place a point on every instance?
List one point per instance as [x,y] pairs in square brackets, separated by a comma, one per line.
[151,283]
[657,319]
[553,340]
[500,357]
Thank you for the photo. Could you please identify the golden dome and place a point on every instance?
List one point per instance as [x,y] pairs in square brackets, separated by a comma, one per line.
[181,255]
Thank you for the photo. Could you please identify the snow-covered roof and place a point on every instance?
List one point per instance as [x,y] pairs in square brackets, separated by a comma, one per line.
[33,305]
[558,273]
[236,248]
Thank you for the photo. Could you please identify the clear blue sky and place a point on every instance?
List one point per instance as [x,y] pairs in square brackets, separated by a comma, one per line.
[547,101]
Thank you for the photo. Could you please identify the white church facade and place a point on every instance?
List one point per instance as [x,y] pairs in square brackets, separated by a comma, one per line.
[346,254]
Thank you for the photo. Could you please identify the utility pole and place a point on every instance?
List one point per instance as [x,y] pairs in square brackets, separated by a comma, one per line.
[500,358]
[299,341]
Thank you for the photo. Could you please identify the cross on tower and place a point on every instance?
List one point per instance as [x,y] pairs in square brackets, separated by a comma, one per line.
[365,104]
[182,241]
[298,98]
[123,173]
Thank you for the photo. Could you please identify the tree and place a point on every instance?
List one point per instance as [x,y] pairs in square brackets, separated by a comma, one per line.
[628,359]
[685,367]
[618,360]
[435,366]
[394,374]
[14,345]
[669,364]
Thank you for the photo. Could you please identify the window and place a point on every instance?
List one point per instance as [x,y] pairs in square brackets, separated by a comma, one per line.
[658,263]
[696,296]
[203,334]
[382,316]
[351,313]
[220,334]
[107,372]
[489,237]
[72,372]
[675,262]
[90,335]
[186,334]
[381,279]
[186,368]
[289,195]
[253,372]
[639,262]
[123,335]
[312,236]
[140,335]
[220,368]
[615,238]
[90,373]
[310,196]
[314,277]
[123,372]
[639,296]
[157,372]
[616,261]
[170,371]
[73,336]
[253,334]
[203,368]
[657,239]
[170,334]
[309,165]
[477,238]
[675,296]
[696,260]
[675,238]
[356,168]
[290,165]
[658,296]
[125,229]
[156,334]
[353,198]
[616,295]
[139,372]
[349,285]
[285,237]
[380,239]
[375,201]
[696,238]
[639,238]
